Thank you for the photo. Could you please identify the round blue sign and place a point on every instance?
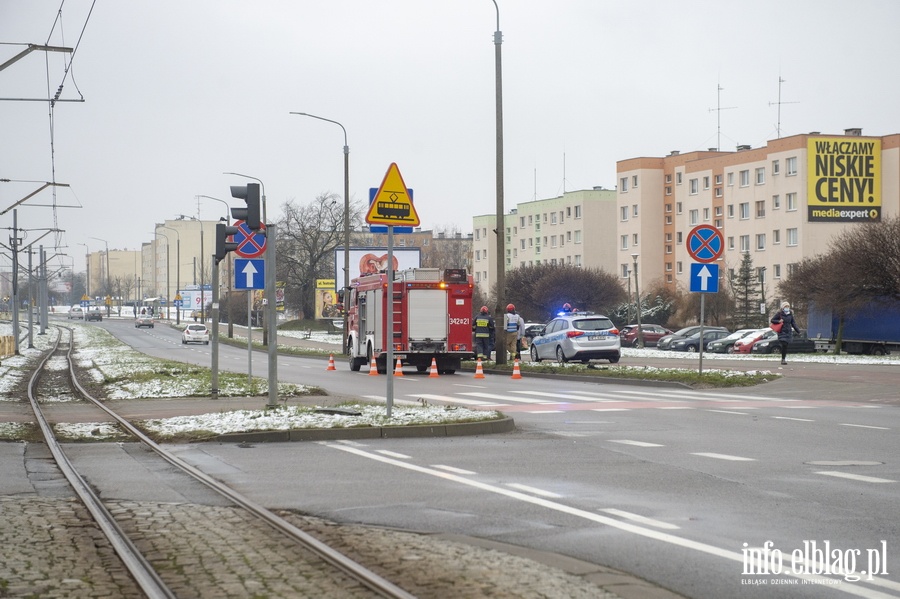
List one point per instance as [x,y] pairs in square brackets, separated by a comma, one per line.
[705,243]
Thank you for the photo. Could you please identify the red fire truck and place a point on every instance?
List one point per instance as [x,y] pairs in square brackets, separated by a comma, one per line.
[432,319]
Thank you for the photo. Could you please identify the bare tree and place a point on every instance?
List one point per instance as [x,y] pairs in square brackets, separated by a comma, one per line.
[307,237]
[540,291]
[448,249]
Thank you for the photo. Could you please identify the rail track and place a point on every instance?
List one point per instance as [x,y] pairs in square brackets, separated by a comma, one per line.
[155,560]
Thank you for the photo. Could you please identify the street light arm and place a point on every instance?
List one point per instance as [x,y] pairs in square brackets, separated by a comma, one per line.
[321,118]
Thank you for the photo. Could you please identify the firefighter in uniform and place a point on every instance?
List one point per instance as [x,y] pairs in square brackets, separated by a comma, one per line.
[515,328]
[484,334]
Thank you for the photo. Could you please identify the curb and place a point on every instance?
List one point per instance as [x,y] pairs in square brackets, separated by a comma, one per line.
[485,427]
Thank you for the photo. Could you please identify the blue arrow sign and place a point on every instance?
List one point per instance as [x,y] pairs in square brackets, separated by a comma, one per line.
[704,278]
[249,274]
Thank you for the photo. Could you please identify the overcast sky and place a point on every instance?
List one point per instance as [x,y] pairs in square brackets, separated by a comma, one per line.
[177,92]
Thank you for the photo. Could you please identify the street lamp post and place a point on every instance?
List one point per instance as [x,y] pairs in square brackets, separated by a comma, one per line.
[177,269]
[167,274]
[202,279]
[637,293]
[108,287]
[345,294]
[228,262]
[500,225]
[87,269]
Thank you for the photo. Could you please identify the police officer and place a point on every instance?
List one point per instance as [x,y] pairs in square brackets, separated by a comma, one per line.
[515,328]
[484,334]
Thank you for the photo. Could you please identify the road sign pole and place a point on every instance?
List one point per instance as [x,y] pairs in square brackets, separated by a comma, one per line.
[389,333]
[702,315]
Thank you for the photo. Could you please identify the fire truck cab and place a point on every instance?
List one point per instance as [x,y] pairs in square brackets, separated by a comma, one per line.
[432,312]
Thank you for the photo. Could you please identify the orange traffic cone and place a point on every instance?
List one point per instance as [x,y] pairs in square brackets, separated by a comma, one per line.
[398,370]
[331,363]
[517,374]
[434,372]
[479,373]
[373,369]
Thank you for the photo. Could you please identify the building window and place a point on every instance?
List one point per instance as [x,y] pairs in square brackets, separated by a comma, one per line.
[718,179]
[634,180]
[577,236]
[776,202]
[730,179]
[678,208]
[706,182]
[668,220]
[625,272]
[761,241]
[745,210]
[730,210]
[634,239]
[568,236]
[545,218]
[522,244]
[522,221]
[530,219]
[731,243]
[568,211]
[668,208]
[530,242]
[678,237]
[718,211]
[668,190]
[669,178]
[791,166]
[761,176]
[792,237]
[791,201]
[678,267]
[577,211]
[553,241]
[776,167]
[776,236]
[694,216]
[668,267]
[477,277]
[693,187]
[577,259]
[623,184]
[634,210]
[552,218]
[624,213]
[777,271]
[745,243]
[761,209]
[668,237]
[677,178]
[477,255]
[706,215]
[624,239]
[668,249]
[561,220]
[718,192]
[718,223]
[745,178]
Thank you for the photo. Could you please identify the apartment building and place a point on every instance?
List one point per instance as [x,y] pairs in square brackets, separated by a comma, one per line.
[780,203]
[576,228]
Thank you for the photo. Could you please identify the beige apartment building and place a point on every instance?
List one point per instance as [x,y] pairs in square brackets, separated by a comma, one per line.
[780,203]
[179,254]
[574,228]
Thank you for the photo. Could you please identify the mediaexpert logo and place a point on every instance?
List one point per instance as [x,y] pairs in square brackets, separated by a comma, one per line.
[815,558]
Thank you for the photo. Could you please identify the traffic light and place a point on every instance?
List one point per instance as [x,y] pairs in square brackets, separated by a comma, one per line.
[223,246]
[250,194]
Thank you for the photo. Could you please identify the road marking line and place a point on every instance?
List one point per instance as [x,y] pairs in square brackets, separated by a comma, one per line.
[635,443]
[504,397]
[794,419]
[728,412]
[859,477]
[546,411]
[676,408]
[648,533]
[641,519]
[880,428]
[610,410]
[393,454]
[452,469]
[534,491]
[462,400]
[562,396]
[722,456]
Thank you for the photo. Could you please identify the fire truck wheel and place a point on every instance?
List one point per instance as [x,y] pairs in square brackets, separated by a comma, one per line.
[356,363]
[421,367]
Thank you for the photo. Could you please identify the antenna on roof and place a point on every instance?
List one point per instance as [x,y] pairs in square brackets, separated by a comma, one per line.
[779,103]
[718,109]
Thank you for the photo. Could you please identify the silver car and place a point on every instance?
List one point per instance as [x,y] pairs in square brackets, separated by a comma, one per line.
[581,336]
[195,333]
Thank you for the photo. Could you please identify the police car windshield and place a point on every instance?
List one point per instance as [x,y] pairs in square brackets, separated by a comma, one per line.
[593,324]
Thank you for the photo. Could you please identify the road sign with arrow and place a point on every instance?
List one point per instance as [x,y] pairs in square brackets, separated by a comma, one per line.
[249,274]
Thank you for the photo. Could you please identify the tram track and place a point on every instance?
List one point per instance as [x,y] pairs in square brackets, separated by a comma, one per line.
[156,566]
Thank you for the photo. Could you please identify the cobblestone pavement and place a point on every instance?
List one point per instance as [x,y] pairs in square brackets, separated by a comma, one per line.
[49,548]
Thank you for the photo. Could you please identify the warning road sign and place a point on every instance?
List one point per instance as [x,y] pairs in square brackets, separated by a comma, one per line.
[392,204]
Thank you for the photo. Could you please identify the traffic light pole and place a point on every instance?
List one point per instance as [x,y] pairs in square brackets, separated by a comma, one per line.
[214,392]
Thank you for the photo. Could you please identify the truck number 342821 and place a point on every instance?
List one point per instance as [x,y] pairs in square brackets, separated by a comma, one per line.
[459,321]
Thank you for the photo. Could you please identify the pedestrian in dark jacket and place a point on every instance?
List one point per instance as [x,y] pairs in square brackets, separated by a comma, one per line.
[788,326]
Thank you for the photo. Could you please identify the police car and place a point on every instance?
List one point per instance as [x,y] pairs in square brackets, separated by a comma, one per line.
[579,336]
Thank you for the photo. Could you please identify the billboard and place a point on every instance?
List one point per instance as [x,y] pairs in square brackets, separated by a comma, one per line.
[327,305]
[370,260]
[843,179]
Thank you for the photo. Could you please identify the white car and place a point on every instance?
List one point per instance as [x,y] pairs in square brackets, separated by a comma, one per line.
[76,312]
[195,333]
[581,336]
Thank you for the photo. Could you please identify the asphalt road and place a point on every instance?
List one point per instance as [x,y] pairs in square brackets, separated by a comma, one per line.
[673,485]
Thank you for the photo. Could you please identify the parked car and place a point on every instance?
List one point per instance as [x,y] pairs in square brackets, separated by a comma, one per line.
[692,343]
[94,313]
[800,343]
[725,345]
[582,336]
[665,342]
[76,312]
[651,334]
[195,333]
[143,320]
[743,346]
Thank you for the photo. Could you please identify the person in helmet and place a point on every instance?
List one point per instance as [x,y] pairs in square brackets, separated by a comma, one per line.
[485,332]
[514,326]
[567,307]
